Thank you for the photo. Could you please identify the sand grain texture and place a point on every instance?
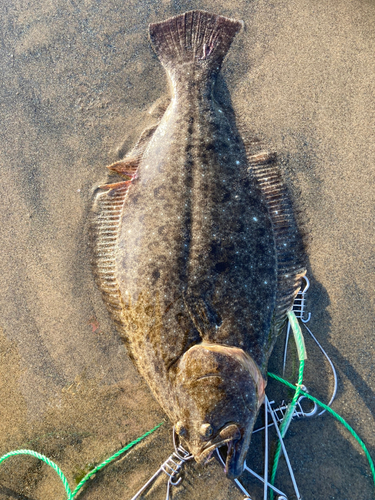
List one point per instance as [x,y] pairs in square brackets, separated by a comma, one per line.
[77,80]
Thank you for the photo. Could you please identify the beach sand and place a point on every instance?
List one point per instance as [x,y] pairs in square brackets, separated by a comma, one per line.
[77,81]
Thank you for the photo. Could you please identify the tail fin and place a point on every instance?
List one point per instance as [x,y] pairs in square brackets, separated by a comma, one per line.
[195,36]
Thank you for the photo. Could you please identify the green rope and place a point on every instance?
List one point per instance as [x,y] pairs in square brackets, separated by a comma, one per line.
[336,415]
[118,453]
[298,391]
[47,461]
[87,477]
[283,427]
[298,337]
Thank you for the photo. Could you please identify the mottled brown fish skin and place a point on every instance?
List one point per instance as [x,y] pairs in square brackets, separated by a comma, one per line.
[196,261]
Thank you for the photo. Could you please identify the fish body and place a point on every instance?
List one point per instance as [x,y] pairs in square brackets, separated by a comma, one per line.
[195,266]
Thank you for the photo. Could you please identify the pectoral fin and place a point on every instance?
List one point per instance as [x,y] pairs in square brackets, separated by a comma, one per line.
[117,186]
[126,167]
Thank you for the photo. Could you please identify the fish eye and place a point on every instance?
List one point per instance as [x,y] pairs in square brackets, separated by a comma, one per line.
[180,429]
[206,430]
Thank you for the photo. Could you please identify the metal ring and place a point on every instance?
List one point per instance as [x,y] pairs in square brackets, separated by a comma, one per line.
[309,413]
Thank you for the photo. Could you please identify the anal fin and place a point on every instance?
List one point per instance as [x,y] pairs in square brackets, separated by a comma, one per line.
[159,107]
[106,222]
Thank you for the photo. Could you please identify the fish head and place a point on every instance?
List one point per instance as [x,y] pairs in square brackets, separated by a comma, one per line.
[219,392]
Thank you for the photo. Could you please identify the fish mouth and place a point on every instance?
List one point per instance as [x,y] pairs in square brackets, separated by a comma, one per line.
[230,435]
[235,458]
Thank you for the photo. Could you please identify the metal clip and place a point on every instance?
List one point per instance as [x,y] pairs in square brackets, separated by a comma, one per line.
[300,302]
[171,467]
[299,412]
[300,312]
[267,486]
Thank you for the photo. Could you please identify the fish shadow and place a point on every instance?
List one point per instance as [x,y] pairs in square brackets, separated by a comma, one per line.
[321,323]
[314,443]
[13,494]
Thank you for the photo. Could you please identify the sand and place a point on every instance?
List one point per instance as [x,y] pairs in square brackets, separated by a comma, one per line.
[77,81]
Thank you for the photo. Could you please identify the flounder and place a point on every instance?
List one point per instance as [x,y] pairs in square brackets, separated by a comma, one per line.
[197,251]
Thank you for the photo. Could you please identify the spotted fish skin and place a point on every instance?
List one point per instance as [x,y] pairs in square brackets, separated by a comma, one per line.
[188,252]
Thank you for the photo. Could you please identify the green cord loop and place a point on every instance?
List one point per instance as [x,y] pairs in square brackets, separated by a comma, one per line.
[298,337]
[283,427]
[47,461]
[71,495]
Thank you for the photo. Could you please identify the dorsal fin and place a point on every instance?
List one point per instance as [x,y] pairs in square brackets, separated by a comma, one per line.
[288,239]
[108,210]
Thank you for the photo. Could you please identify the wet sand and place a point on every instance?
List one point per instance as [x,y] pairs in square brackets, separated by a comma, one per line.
[78,79]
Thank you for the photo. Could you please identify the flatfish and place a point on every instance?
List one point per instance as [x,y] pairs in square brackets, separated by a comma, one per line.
[197,250]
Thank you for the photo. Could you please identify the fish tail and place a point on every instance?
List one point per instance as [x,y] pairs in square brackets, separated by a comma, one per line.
[195,36]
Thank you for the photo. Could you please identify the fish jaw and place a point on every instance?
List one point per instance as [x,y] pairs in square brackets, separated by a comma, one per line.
[237,443]
[227,435]
[236,455]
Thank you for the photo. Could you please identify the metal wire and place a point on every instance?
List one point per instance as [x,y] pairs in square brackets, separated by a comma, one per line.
[172,467]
